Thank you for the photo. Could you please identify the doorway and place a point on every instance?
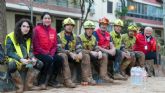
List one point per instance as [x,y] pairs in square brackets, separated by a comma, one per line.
[59,26]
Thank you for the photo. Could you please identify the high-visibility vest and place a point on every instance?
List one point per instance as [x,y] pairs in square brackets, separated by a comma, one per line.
[116,39]
[71,44]
[17,46]
[128,42]
[88,43]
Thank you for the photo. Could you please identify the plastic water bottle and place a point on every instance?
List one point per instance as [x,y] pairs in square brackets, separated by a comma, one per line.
[144,73]
[133,77]
[136,76]
[140,76]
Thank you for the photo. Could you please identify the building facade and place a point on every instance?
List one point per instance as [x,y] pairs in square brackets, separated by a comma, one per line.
[104,8]
[60,9]
[148,13]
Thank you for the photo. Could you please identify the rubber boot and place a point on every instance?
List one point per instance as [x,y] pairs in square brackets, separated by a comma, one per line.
[66,72]
[124,66]
[86,70]
[118,76]
[141,58]
[31,76]
[103,69]
[17,81]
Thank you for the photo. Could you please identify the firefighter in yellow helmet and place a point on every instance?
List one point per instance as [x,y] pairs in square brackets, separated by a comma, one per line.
[116,33]
[66,48]
[72,49]
[89,44]
[128,41]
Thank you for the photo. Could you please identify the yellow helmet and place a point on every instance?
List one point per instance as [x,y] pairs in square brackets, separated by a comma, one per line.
[68,21]
[132,28]
[119,22]
[89,24]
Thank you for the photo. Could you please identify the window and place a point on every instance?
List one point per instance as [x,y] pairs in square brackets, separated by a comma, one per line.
[109,7]
[146,11]
[41,1]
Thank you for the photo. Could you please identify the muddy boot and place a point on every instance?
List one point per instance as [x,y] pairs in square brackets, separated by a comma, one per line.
[66,72]
[118,76]
[86,70]
[103,69]
[31,76]
[124,66]
[140,58]
[17,81]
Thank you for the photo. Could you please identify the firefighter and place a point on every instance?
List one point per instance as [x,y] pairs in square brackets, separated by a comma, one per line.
[21,58]
[106,45]
[89,44]
[135,58]
[73,51]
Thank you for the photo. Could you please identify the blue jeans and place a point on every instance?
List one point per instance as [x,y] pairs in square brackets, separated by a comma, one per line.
[117,59]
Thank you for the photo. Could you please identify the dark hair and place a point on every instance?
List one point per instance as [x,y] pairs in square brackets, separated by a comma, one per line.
[19,37]
[45,13]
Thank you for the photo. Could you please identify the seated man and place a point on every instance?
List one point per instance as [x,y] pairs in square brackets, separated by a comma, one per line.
[74,56]
[146,43]
[88,43]
[106,45]
[128,41]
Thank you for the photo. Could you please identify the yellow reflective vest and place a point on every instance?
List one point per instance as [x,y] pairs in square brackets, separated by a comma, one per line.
[72,44]
[127,41]
[18,48]
[117,39]
[88,44]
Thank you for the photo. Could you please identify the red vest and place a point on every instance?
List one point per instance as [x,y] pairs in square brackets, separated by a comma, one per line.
[47,39]
[142,45]
[103,40]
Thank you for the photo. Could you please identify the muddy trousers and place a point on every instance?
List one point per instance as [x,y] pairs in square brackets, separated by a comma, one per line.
[101,66]
[51,65]
[29,75]
[66,71]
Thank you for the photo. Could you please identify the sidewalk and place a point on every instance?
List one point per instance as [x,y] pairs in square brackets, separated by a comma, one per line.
[154,85]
